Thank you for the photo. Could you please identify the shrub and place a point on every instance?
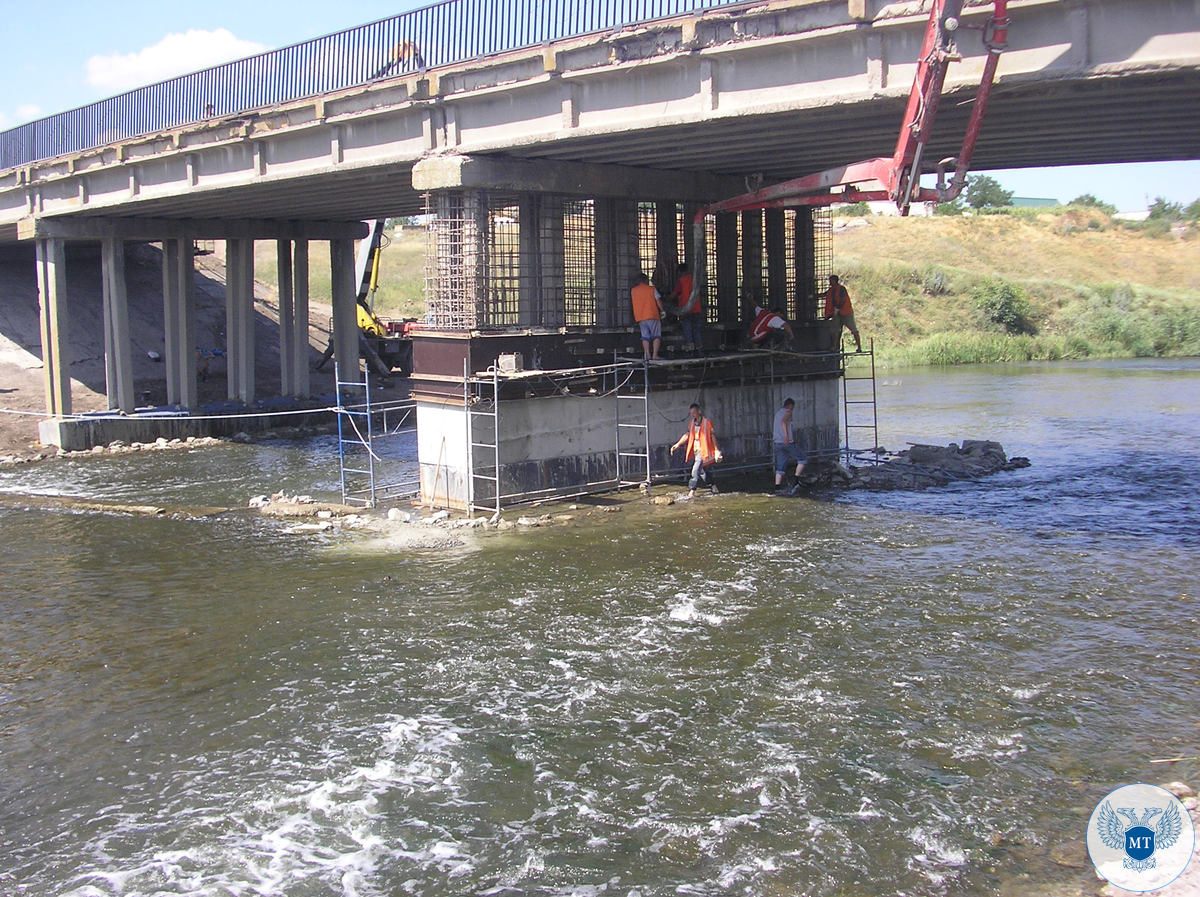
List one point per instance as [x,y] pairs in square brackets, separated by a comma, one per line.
[852,210]
[955,207]
[1087,200]
[935,282]
[1005,304]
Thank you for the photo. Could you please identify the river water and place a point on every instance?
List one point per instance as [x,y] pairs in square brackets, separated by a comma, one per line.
[856,694]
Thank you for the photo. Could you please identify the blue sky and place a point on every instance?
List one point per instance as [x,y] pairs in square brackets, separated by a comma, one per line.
[59,56]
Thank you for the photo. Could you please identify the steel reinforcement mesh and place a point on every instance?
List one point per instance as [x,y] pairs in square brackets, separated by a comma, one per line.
[535,261]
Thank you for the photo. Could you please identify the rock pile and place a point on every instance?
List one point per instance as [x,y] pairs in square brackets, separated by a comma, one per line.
[922,466]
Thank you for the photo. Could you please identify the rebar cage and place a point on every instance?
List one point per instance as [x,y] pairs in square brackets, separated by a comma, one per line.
[496,260]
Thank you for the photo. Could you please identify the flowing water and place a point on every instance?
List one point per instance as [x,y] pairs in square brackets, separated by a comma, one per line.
[856,694]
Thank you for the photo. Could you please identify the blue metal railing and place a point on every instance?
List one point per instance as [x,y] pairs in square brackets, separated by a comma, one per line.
[440,34]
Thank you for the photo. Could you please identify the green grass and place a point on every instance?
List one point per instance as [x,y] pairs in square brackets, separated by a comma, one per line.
[1035,284]
[401,290]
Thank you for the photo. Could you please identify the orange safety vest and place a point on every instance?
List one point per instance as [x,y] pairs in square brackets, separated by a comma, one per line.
[700,436]
[645,308]
[761,325]
[839,305]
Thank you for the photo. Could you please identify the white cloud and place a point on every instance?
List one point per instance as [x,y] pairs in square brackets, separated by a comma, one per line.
[25,112]
[175,54]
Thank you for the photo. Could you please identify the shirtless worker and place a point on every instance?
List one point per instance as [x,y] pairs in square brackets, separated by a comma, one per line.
[837,306]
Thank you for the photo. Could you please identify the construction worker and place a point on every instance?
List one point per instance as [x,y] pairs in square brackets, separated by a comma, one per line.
[767,328]
[404,56]
[702,450]
[691,314]
[648,312]
[839,309]
[786,450]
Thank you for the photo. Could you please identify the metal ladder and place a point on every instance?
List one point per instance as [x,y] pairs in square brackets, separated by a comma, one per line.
[859,409]
[637,419]
[355,437]
[483,414]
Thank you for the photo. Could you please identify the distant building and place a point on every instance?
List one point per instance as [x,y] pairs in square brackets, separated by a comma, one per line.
[1034,202]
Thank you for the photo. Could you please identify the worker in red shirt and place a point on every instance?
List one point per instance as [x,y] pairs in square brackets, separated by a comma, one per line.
[691,314]
[838,308]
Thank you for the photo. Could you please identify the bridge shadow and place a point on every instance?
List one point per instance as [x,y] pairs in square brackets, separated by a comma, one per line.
[20,329]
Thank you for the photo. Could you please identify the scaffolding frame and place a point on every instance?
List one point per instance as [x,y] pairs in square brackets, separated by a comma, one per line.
[362,427]
[482,402]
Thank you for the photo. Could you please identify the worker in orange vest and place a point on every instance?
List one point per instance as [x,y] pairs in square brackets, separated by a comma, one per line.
[647,311]
[702,450]
[838,307]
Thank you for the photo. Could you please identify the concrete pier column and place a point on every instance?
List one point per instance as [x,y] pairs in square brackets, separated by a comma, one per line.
[287,330]
[690,210]
[118,359]
[179,321]
[345,317]
[776,247]
[529,287]
[752,257]
[553,265]
[806,276]
[52,296]
[239,318]
[666,231]
[617,261]
[728,305]
[300,377]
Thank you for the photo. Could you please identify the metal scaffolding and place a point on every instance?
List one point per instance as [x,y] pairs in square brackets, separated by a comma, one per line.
[367,430]
[617,382]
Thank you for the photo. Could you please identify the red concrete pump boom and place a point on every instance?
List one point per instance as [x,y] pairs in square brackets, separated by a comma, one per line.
[898,177]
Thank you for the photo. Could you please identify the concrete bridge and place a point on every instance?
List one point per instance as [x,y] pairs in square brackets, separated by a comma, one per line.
[773,89]
[596,149]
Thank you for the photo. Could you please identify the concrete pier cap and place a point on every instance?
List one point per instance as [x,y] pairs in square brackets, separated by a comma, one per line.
[507,174]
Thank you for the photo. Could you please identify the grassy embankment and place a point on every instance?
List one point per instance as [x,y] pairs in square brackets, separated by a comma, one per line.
[401,292]
[1028,284]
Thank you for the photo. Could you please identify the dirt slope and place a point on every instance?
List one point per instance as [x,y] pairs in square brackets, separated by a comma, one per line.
[22,380]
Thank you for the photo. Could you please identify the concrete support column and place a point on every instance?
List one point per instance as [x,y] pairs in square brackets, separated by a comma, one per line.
[666,232]
[690,210]
[475,256]
[806,275]
[752,257]
[287,329]
[543,262]
[179,322]
[186,362]
[345,316]
[239,318]
[776,244]
[529,288]
[617,261]
[52,297]
[118,358]
[300,376]
[728,304]
[553,261]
